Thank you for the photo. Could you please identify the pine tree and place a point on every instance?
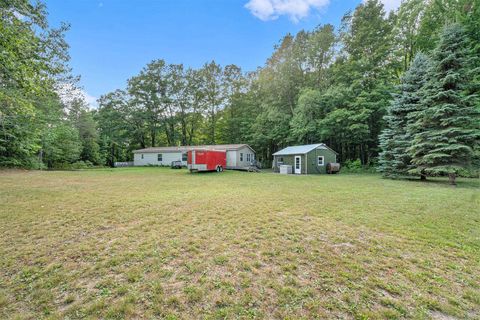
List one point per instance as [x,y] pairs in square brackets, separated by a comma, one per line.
[447,130]
[386,141]
[394,140]
[471,21]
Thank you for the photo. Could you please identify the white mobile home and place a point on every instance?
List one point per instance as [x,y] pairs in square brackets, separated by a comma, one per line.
[239,156]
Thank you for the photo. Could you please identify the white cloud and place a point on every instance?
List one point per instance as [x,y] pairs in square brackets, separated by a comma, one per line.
[19,16]
[69,92]
[91,100]
[295,9]
[389,5]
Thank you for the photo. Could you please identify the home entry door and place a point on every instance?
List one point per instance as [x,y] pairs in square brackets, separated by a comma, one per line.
[298,164]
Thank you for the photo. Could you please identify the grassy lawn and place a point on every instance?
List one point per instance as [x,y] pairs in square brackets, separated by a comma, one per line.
[161,243]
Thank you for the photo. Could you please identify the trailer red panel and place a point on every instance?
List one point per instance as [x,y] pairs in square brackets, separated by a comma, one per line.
[206,160]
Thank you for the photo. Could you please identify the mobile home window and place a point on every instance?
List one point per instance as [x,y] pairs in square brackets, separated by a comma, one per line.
[320,160]
[184,157]
[241,156]
[280,161]
[159,157]
[248,157]
[142,155]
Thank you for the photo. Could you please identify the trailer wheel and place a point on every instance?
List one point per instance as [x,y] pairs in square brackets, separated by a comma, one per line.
[218,169]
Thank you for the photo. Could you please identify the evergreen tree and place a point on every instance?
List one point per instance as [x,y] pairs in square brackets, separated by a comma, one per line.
[394,140]
[471,21]
[386,143]
[447,130]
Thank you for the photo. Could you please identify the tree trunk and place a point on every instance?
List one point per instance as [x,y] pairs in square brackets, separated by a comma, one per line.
[152,137]
[184,131]
[111,160]
[167,134]
[423,176]
[214,121]
[451,178]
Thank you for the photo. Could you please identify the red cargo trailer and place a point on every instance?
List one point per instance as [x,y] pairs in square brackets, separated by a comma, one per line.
[206,160]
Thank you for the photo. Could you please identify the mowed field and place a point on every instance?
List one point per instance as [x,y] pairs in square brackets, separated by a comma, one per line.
[161,243]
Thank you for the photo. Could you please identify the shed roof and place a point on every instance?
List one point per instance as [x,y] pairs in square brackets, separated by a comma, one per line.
[187,148]
[301,149]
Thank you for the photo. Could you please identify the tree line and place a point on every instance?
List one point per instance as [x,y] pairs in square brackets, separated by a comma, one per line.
[346,87]
[433,123]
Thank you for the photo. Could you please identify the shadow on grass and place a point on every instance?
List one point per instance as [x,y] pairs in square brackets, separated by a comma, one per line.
[466,183]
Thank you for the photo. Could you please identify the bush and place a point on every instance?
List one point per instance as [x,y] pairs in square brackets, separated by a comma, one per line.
[82,165]
[73,166]
[355,166]
[469,173]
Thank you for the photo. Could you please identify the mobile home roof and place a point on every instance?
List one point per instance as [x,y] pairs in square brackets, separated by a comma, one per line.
[186,148]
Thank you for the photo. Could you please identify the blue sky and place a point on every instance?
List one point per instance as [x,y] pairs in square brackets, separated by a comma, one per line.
[111,40]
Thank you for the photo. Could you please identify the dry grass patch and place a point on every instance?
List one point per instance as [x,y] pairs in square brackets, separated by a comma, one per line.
[160,243]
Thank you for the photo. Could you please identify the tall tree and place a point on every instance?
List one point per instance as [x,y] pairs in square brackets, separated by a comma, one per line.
[304,125]
[118,129]
[406,30]
[149,101]
[447,130]
[212,81]
[394,140]
[33,58]
[367,66]
[320,54]
[82,119]
[231,124]
[61,145]
[195,102]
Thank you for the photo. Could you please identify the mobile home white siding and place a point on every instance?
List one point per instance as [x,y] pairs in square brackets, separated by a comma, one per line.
[243,157]
[231,159]
[239,156]
[152,159]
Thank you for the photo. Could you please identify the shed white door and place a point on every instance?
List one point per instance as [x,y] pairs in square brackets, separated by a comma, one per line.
[298,164]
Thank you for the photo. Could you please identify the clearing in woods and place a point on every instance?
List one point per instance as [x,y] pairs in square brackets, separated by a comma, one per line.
[161,243]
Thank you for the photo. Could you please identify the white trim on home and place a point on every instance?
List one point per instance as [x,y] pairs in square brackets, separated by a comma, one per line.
[306,163]
[318,161]
[299,157]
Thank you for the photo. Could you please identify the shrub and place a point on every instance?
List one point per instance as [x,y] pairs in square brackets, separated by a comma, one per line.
[355,166]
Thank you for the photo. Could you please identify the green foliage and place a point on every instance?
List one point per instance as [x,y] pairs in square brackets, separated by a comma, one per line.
[32,62]
[304,126]
[322,85]
[394,139]
[353,164]
[83,121]
[61,145]
[115,132]
[447,129]
[356,166]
